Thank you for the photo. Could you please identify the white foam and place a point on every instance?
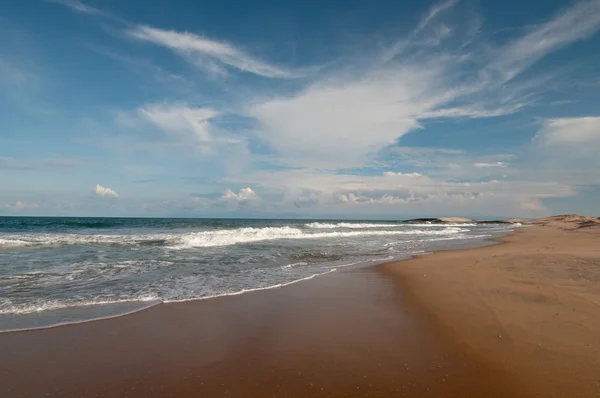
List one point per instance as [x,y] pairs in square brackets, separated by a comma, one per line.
[58,305]
[292,265]
[74,239]
[251,290]
[439,225]
[320,225]
[248,235]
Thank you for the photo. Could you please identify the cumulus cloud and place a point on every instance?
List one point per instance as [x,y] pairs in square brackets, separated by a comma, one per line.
[210,54]
[243,194]
[106,192]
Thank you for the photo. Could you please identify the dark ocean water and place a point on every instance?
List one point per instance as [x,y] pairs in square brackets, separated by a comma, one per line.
[60,270]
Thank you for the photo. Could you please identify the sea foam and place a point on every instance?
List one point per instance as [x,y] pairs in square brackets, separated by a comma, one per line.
[248,235]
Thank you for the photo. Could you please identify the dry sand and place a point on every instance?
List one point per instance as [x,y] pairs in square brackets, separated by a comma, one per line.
[530,307]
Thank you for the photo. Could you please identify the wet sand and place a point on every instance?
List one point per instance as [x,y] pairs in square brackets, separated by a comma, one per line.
[346,334]
[530,307]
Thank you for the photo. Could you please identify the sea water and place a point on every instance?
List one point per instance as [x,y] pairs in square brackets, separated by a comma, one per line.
[66,270]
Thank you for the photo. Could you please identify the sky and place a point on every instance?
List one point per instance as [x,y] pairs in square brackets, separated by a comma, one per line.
[299,109]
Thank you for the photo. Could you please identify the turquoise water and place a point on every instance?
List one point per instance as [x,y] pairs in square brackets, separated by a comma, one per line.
[57,270]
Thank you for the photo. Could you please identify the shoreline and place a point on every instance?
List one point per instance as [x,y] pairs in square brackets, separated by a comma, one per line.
[477,321]
[528,307]
[469,244]
[345,334]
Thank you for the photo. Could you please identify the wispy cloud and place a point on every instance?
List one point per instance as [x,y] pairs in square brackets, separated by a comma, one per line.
[401,45]
[576,23]
[78,6]
[181,119]
[434,11]
[210,54]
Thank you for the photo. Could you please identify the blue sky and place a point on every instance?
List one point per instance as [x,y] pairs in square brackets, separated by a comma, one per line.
[357,109]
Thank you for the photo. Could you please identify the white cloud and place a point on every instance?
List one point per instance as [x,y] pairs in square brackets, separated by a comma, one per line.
[578,22]
[566,149]
[392,174]
[78,6]
[20,205]
[346,119]
[181,119]
[577,131]
[326,191]
[105,192]
[243,194]
[488,165]
[434,11]
[210,54]
[344,122]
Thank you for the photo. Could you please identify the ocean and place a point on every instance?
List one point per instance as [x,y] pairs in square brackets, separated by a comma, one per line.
[57,271]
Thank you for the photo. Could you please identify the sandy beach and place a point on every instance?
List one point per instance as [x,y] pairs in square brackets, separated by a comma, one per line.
[515,319]
[529,307]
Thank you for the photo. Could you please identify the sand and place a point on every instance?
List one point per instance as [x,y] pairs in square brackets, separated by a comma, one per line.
[530,307]
[345,334]
[517,319]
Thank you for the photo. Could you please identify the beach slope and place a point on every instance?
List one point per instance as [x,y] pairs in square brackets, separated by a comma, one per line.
[530,306]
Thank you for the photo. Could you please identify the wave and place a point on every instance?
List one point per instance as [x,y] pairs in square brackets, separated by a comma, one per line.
[222,237]
[151,302]
[321,225]
[51,305]
[249,235]
[75,239]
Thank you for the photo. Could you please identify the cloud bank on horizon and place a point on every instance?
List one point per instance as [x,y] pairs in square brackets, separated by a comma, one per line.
[455,108]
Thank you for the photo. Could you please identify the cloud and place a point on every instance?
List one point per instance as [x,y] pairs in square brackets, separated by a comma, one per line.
[181,119]
[401,45]
[343,122]
[243,194]
[392,174]
[488,165]
[434,11]
[208,53]
[346,119]
[20,205]
[571,131]
[78,6]
[576,23]
[566,149]
[105,192]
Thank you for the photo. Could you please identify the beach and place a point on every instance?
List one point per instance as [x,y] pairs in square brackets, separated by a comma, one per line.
[520,318]
[529,307]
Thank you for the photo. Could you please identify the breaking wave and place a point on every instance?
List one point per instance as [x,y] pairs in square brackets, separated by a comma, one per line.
[321,225]
[248,235]
[223,237]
